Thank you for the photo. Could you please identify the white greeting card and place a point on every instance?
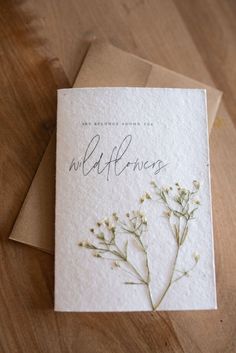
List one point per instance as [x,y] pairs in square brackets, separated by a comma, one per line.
[133,203]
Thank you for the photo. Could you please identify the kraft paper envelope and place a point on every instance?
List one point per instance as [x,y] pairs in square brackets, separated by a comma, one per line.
[103,66]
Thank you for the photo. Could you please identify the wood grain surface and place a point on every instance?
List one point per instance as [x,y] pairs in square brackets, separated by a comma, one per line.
[196,38]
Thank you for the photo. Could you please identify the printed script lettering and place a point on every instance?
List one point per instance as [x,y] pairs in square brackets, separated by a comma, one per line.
[116,164]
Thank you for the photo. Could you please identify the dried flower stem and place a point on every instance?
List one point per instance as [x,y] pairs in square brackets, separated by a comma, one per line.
[182,212]
[134,226]
[170,280]
[137,233]
[139,240]
[180,209]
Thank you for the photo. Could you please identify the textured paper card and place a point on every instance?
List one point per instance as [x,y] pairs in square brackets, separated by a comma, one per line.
[133,205]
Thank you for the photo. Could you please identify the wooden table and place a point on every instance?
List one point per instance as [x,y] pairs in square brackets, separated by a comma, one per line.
[196,38]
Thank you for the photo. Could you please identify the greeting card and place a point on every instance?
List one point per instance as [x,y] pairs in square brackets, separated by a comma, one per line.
[133,201]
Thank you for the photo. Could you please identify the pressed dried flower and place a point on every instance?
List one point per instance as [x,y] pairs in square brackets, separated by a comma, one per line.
[196,257]
[142,199]
[96,254]
[101,236]
[116,218]
[197,202]
[167,214]
[179,211]
[116,264]
[196,184]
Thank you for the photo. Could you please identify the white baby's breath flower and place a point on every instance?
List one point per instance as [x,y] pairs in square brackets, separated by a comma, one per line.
[196,257]
[167,214]
[147,196]
[103,221]
[116,218]
[196,184]
[101,236]
[144,220]
[96,254]
[111,227]
[142,199]
[83,243]
[184,191]
[116,264]
[196,202]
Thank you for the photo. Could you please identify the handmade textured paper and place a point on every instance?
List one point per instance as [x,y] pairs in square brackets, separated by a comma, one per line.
[132,187]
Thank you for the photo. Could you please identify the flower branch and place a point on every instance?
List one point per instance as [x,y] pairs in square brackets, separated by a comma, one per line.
[180,207]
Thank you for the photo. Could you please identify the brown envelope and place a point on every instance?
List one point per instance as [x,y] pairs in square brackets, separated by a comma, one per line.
[104,66]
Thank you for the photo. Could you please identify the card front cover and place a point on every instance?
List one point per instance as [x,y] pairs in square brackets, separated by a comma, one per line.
[133,205]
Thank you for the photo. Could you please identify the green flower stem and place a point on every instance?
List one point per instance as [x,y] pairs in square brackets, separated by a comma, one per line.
[140,277]
[120,254]
[148,282]
[180,242]
[185,273]
[170,280]
[138,238]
